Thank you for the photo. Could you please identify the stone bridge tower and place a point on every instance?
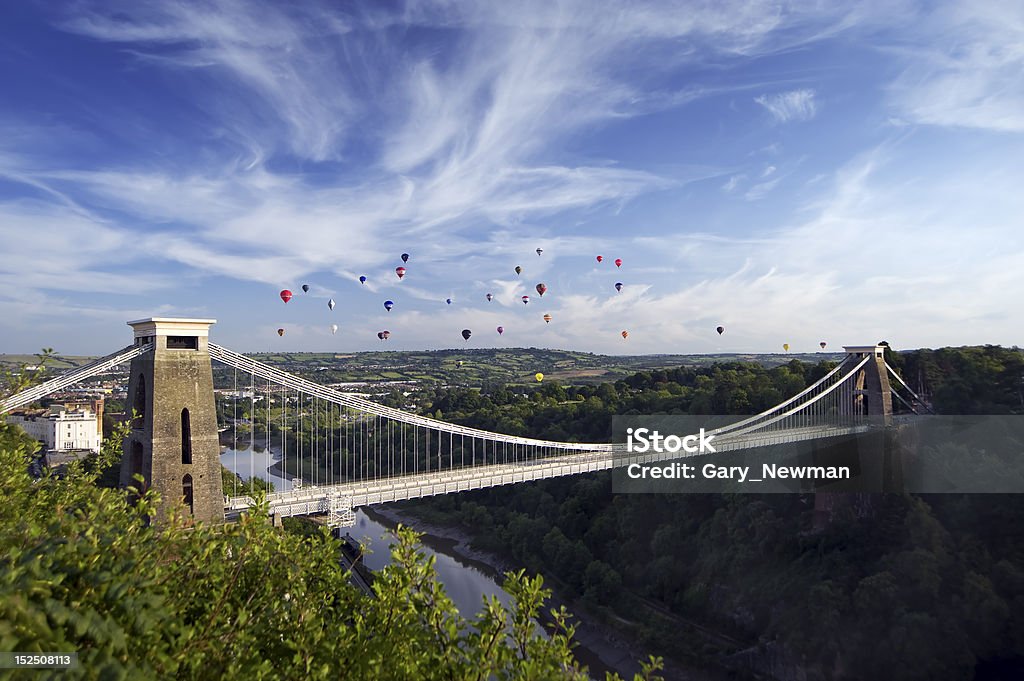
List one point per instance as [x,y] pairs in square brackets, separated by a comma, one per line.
[872,395]
[877,463]
[174,443]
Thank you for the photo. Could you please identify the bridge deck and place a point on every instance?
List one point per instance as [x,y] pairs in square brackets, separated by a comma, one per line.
[314,500]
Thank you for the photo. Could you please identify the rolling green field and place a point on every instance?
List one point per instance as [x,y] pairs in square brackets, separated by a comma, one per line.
[466,367]
[512,366]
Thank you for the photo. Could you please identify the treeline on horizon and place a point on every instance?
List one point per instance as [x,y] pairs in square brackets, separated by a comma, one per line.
[895,586]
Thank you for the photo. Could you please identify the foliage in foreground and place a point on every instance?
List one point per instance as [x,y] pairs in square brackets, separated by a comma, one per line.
[81,570]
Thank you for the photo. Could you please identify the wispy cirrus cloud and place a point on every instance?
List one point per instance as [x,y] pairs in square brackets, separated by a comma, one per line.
[319,140]
[795,105]
[969,71]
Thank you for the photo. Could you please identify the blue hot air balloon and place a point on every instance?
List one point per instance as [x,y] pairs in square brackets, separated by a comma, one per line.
[448,300]
[618,286]
[362,279]
[388,304]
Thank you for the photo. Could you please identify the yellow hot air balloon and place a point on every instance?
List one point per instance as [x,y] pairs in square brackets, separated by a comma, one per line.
[539,376]
[785,346]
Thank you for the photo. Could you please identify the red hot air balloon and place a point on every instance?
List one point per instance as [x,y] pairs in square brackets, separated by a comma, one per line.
[400,271]
[625,334]
[541,288]
[286,295]
[525,299]
[600,258]
[618,262]
[501,330]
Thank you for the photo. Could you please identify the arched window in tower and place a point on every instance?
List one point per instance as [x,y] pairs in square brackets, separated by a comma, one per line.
[139,403]
[186,437]
[186,491]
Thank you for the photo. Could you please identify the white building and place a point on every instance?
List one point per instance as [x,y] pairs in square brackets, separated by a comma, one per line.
[62,427]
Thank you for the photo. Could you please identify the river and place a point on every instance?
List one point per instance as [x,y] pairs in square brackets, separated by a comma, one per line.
[466,581]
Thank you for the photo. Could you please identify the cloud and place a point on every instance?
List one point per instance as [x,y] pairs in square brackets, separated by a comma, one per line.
[733,181]
[971,74]
[761,189]
[795,105]
[275,52]
[332,139]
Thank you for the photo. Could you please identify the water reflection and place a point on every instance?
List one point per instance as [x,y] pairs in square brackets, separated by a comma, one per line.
[464,583]
[249,463]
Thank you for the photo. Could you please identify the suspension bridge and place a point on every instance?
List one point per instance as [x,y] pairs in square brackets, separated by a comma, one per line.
[343,451]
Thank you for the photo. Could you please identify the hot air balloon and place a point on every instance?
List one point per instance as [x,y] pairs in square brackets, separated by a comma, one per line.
[448,300]
[600,258]
[822,344]
[334,328]
[785,346]
[519,270]
[618,262]
[286,295]
[547,318]
[362,279]
[539,376]
[466,333]
[539,251]
[280,332]
[400,271]
[720,330]
[501,330]
[380,335]
[489,297]
[305,288]
[525,299]
[541,288]
[405,257]
[625,334]
[330,303]
[387,334]
[618,286]
[388,304]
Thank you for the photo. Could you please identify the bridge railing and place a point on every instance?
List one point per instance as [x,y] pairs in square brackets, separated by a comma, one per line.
[67,379]
[269,373]
[807,408]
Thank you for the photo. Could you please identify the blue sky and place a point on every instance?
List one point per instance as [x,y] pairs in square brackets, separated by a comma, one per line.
[795,172]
